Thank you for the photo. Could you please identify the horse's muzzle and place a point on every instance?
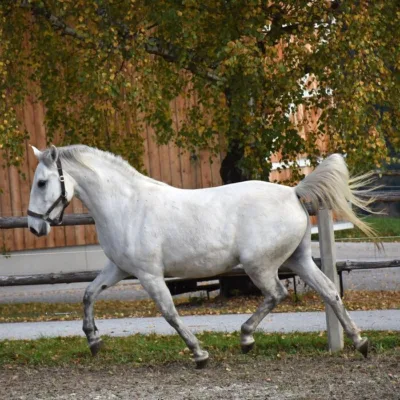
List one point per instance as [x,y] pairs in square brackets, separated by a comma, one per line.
[42,231]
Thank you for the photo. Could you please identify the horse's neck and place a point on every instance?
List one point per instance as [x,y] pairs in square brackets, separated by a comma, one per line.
[103,186]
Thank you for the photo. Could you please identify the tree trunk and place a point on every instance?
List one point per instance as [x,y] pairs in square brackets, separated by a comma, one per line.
[230,170]
[230,167]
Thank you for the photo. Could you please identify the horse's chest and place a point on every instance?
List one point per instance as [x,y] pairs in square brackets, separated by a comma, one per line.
[113,244]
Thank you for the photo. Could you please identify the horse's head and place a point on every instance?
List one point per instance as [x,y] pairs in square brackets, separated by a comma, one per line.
[50,194]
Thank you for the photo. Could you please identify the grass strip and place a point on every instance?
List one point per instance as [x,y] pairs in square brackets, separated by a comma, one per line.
[387,228]
[149,350]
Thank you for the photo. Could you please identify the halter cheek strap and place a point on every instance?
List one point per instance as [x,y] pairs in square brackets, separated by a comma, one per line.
[61,199]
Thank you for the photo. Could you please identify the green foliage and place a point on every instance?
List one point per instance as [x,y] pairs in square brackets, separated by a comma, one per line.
[103,68]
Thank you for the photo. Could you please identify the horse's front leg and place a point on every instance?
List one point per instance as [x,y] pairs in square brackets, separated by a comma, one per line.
[108,277]
[159,292]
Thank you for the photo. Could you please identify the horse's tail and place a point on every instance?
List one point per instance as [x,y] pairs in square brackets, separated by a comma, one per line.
[330,186]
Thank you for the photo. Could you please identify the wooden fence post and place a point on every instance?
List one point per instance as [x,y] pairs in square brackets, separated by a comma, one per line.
[328,266]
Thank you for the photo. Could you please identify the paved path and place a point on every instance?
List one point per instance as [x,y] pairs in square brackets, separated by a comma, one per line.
[276,322]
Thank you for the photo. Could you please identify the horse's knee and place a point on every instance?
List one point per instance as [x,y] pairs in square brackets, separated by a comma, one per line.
[272,299]
[87,298]
[332,297]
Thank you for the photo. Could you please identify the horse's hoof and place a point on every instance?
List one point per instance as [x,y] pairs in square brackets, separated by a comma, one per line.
[201,364]
[247,347]
[95,347]
[363,347]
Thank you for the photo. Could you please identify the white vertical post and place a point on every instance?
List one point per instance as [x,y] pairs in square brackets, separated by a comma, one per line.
[328,262]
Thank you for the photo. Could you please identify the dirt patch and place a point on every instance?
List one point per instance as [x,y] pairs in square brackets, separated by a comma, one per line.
[335,377]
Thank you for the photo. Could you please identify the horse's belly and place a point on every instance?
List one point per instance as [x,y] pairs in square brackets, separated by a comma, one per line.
[201,265]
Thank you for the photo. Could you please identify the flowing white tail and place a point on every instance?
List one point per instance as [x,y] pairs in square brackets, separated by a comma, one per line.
[331,187]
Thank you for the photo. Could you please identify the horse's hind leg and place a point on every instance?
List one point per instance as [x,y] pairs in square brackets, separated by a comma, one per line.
[274,292]
[159,292]
[108,277]
[302,264]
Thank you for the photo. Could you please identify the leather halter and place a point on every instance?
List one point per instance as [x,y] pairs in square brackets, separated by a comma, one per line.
[61,199]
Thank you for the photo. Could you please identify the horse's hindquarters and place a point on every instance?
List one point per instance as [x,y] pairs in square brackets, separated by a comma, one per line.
[272,237]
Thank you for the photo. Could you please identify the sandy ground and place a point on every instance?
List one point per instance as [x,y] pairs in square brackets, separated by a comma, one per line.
[303,378]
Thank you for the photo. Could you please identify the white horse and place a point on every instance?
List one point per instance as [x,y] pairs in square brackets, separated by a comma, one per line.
[152,230]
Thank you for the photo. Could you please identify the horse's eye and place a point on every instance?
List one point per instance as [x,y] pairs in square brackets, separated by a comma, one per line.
[41,184]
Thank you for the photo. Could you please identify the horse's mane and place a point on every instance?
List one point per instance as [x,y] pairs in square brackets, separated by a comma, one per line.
[76,154]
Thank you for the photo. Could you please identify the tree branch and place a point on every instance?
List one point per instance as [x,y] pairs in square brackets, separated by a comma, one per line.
[172,54]
[154,45]
[55,22]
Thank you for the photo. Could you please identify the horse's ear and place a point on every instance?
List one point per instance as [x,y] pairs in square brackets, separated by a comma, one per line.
[54,153]
[37,152]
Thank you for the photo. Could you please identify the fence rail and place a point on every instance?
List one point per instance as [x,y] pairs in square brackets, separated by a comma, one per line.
[68,220]
[88,276]
[386,196]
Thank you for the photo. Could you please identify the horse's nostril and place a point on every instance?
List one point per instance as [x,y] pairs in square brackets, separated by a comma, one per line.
[39,231]
[35,232]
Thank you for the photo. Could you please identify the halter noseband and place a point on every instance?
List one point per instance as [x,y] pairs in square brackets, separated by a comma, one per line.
[61,199]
